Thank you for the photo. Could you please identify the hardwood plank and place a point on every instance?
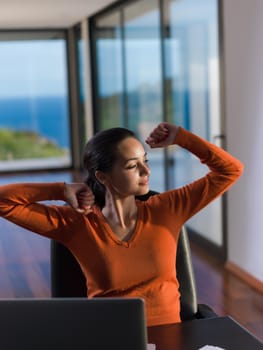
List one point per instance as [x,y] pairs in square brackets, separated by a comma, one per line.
[24,263]
[226,293]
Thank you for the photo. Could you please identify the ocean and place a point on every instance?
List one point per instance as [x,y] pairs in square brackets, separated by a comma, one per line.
[47,116]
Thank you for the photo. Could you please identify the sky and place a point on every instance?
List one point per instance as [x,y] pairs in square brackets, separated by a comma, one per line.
[33,68]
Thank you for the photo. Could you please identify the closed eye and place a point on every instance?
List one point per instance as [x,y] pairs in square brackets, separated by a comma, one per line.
[133,166]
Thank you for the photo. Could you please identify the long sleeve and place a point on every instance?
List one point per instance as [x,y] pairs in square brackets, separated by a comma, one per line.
[218,160]
[224,172]
[21,204]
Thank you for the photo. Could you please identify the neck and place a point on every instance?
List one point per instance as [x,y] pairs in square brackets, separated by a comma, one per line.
[120,211]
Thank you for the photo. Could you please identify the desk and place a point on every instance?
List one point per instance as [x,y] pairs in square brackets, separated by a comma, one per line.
[192,335]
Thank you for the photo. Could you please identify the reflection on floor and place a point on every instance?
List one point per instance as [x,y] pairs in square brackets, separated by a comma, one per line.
[225,293]
[25,269]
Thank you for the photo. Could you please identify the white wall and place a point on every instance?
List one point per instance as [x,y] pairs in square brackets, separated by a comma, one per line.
[243,38]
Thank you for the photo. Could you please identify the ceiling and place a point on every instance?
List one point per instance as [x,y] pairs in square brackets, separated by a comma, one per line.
[26,14]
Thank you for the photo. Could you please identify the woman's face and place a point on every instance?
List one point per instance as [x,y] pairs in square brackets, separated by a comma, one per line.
[130,172]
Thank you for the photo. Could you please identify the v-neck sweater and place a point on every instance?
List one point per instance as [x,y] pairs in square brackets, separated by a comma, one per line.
[144,266]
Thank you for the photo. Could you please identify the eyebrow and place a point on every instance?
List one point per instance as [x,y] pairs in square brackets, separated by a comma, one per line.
[135,158]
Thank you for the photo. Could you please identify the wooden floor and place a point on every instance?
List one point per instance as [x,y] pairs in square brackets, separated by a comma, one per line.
[225,293]
[25,273]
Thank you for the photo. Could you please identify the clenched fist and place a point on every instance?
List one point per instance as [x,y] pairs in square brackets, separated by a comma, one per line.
[79,196]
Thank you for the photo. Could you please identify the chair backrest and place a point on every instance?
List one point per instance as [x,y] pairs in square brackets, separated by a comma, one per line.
[67,279]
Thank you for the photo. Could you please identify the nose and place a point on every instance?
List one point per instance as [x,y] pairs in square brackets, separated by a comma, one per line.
[144,169]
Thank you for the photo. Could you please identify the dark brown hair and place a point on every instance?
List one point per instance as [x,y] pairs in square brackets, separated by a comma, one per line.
[100,154]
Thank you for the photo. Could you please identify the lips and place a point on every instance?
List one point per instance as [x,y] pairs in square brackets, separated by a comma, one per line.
[144,182]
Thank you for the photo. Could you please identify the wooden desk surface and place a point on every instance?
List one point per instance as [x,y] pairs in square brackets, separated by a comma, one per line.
[193,335]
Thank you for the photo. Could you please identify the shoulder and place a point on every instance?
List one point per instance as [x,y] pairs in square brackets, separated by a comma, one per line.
[157,199]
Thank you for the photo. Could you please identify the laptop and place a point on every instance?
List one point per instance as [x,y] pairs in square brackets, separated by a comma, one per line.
[73,324]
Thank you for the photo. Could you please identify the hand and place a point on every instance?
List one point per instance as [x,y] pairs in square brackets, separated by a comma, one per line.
[80,197]
[163,135]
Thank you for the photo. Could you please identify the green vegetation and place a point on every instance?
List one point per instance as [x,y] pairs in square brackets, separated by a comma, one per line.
[16,145]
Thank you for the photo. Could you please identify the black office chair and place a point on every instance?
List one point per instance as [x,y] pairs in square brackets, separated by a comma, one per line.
[67,279]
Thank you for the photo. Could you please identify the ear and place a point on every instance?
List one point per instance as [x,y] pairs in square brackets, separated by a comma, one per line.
[100,176]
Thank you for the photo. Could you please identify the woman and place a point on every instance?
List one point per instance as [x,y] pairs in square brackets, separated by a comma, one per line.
[125,247]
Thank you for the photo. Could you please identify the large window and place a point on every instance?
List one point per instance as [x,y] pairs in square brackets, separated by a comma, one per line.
[128,85]
[159,61]
[193,93]
[142,43]
[34,115]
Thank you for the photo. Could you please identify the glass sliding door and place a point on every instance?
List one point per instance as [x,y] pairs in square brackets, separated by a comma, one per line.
[34,116]
[159,60]
[193,94]
[143,76]
[128,75]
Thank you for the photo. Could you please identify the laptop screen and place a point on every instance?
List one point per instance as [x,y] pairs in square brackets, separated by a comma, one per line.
[73,324]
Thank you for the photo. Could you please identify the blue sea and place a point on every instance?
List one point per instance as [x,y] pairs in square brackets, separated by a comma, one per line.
[47,116]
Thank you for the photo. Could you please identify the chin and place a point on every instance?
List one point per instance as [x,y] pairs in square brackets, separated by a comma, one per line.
[142,191]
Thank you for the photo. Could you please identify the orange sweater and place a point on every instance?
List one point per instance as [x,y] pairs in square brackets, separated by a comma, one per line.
[144,266]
